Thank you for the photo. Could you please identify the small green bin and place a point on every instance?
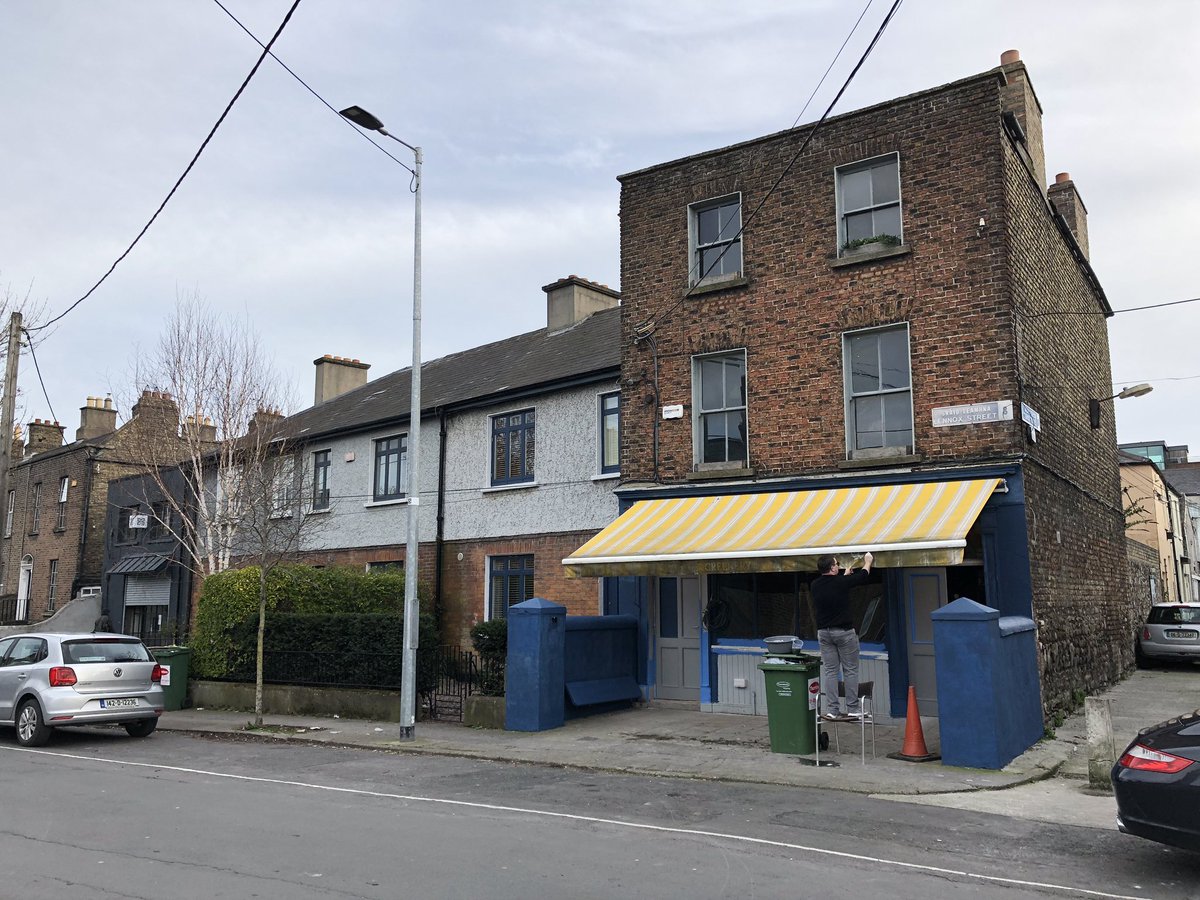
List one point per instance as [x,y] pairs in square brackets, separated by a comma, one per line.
[791,720]
[174,684]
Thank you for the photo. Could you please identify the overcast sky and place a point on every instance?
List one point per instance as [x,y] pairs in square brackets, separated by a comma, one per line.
[527,111]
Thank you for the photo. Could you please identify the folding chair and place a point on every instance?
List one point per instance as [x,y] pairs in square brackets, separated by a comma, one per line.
[866,696]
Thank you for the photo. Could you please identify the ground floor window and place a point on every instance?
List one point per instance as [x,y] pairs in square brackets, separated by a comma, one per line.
[757,605]
[510,581]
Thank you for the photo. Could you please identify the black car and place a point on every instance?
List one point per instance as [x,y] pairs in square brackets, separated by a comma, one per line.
[1157,783]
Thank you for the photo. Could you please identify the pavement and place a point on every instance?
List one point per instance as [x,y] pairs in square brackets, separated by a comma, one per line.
[678,741]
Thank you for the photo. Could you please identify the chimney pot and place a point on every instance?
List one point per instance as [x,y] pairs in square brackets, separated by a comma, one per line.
[1010,56]
[1062,177]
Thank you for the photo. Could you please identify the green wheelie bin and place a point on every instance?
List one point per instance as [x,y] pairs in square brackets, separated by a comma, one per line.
[174,684]
[791,702]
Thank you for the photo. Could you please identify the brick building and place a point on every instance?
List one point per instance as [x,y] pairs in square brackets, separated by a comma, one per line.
[861,335]
[54,526]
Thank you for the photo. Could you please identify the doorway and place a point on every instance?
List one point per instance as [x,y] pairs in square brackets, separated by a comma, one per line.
[924,592]
[24,587]
[678,639]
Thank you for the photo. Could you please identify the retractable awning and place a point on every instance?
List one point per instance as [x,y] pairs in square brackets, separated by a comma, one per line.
[902,524]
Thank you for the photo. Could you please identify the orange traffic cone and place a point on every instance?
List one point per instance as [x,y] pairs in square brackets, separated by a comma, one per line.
[914,749]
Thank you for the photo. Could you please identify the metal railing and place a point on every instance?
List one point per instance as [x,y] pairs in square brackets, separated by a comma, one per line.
[9,608]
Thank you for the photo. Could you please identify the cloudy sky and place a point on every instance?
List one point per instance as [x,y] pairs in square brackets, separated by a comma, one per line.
[527,111]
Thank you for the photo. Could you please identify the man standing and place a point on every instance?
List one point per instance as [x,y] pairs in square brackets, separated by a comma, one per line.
[835,632]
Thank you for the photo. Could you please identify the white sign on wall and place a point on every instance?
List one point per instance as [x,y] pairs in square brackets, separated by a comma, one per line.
[142,521]
[973,413]
[673,411]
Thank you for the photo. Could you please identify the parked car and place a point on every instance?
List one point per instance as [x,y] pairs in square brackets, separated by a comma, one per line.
[51,680]
[1157,783]
[1172,631]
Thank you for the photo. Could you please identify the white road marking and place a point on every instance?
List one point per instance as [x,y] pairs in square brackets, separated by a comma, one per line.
[594,820]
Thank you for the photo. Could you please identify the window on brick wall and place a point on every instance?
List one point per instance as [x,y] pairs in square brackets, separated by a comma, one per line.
[8,513]
[868,200]
[719,410]
[60,521]
[714,228]
[510,581]
[878,387]
[52,589]
[35,508]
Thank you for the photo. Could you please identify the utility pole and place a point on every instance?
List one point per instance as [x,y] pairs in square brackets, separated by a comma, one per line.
[8,407]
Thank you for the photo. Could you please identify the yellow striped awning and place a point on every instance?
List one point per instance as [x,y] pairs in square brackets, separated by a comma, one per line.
[902,524]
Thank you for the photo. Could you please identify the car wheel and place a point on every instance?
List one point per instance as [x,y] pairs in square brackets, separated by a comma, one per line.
[31,730]
[141,728]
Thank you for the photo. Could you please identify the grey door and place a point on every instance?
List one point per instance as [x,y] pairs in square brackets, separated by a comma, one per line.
[678,641]
[924,592]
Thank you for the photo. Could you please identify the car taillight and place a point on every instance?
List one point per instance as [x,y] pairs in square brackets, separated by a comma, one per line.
[157,674]
[62,676]
[1145,633]
[1146,760]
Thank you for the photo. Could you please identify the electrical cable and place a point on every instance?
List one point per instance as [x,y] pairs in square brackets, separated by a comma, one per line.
[186,172]
[1097,312]
[38,369]
[288,69]
[641,331]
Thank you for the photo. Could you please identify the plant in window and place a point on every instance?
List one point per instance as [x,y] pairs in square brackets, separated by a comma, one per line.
[877,241]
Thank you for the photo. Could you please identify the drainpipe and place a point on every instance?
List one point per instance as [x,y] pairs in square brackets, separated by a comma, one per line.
[90,455]
[440,543]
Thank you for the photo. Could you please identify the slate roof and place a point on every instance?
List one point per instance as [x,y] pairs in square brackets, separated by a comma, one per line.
[1184,478]
[538,360]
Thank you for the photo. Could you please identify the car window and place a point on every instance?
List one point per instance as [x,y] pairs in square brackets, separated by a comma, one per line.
[98,650]
[4,645]
[26,651]
[1174,615]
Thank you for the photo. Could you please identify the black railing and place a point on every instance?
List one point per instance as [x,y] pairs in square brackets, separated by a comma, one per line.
[459,674]
[8,611]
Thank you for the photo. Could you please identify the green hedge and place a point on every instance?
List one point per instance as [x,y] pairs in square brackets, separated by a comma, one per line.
[230,598]
[491,643]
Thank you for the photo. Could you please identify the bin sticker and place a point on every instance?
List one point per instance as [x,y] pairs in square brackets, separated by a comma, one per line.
[783,688]
[166,675]
[814,688]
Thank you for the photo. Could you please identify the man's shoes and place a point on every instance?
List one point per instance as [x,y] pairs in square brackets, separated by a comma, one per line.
[857,716]
[833,716]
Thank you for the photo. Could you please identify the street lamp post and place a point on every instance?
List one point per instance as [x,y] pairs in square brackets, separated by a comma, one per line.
[408,670]
[1137,390]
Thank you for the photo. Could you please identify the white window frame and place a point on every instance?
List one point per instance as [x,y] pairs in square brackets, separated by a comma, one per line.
[8,515]
[64,484]
[849,396]
[841,172]
[695,270]
[698,413]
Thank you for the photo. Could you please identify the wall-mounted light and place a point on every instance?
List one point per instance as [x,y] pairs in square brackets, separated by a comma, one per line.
[1136,390]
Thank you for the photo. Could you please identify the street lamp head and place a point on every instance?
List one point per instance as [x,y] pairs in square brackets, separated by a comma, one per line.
[1137,390]
[361,118]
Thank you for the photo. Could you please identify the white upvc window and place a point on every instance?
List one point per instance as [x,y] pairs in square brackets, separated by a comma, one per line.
[868,201]
[714,236]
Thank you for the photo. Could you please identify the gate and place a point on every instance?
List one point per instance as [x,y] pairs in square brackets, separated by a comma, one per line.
[458,674]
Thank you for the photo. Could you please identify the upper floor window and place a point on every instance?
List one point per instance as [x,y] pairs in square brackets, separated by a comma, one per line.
[512,447]
[8,514]
[283,488]
[63,485]
[35,502]
[715,229]
[510,581]
[878,390]
[130,519]
[160,521]
[391,459]
[868,200]
[719,409]
[610,432]
[320,485]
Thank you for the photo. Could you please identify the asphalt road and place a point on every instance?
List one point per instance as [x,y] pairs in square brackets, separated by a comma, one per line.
[99,815]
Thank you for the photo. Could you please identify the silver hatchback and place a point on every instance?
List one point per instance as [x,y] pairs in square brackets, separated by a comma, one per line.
[51,680]
[1172,631]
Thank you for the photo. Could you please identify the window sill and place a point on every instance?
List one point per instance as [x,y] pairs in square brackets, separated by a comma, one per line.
[320,512]
[606,476]
[854,259]
[718,283]
[880,462]
[399,501]
[718,474]
[501,488]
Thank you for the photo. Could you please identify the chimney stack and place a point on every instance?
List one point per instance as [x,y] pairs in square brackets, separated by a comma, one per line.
[572,299]
[336,375]
[1065,197]
[44,435]
[18,444]
[96,418]
[265,419]
[1018,99]
[206,430]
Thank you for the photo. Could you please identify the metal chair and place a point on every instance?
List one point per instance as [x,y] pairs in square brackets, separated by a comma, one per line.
[866,698]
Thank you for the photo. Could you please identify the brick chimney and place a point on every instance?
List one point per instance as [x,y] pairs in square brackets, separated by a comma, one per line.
[44,435]
[1017,97]
[96,418]
[1065,197]
[207,430]
[18,444]
[336,375]
[572,299]
[266,419]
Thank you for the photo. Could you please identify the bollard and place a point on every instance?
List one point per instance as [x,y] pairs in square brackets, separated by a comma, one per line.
[1102,750]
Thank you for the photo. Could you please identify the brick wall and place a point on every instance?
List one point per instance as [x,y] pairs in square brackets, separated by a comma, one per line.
[792,313]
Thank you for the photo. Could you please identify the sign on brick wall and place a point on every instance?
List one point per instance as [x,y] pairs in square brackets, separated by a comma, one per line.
[973,413]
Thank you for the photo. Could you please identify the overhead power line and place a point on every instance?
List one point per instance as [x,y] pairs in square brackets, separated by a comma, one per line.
[186,171]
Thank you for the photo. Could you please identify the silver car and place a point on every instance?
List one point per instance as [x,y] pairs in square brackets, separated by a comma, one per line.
[50,680]
[1172,631]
